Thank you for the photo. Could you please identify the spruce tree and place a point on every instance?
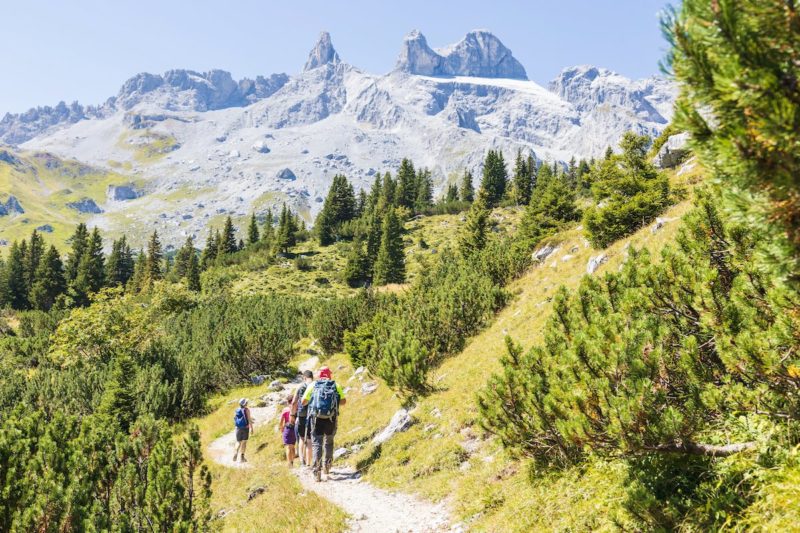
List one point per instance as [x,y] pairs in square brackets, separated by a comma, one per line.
[183,258]
[253,235]
[390,264]
[495,178]
[192,276]
[550,208]
[424,192]
[16,277]
[32,258]
[153,268]
[210,251]
[467,191]
[138,280]
[406,185]
[473,235]
[452,194]
[356,270]
[227,244]
[374,232]
[49,281]
[79,242]
[388,192]
[522,180]
[268,231]
[96,261]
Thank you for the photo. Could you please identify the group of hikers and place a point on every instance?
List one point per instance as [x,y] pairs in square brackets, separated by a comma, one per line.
[307,424]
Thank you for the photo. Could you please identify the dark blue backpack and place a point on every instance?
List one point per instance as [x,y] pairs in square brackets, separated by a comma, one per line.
[240,419]
[324,399]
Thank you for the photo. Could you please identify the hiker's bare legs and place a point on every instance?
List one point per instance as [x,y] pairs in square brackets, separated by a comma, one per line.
[307,450]
[290,455]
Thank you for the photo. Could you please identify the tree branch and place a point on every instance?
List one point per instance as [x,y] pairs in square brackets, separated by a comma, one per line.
[708,450]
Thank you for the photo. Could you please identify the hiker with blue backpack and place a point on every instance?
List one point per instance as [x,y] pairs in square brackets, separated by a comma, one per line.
[323,397]
[244,426]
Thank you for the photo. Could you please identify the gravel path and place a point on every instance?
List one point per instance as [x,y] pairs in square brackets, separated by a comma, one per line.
[371,509]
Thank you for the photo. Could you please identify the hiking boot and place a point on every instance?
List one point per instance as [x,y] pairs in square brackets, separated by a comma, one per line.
[243,459]
[235,457]
[327,469]
[317,476]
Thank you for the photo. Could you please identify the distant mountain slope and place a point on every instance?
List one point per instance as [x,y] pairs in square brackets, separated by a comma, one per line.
[205,145]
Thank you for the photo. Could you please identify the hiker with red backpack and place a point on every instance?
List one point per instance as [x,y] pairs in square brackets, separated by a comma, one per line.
[323,397]
[244,426]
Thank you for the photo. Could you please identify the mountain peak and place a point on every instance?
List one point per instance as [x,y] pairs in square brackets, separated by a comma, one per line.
[480,53]
[322,53]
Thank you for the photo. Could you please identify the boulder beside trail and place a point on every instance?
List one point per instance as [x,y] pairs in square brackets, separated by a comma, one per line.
[400,422]
[595,262]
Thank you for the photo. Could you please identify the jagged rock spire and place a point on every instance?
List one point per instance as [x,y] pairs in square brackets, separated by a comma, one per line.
[322,53]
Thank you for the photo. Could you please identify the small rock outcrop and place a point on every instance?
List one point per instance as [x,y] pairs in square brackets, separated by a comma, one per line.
[480,53]
[86,206]
[322,53]
[261,147]
[674,151]
[11,206]
[45,228]
[543,253]
[121,193]
[595,262]
[8,157]
[400,422]
[286,174]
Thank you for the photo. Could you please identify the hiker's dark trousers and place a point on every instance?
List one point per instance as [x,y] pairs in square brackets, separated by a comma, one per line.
[322,432]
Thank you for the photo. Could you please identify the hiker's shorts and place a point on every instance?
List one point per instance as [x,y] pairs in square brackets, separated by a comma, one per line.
[302,427]
[242,434]
[324,426]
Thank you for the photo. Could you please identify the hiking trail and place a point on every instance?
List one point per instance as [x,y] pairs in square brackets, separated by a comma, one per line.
[371,509]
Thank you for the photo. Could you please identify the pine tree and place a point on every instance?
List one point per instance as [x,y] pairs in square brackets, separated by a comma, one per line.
[550,208]
[32,258]
[253,235]
[16,278]
[268,231]
[193,274]
[79,242]
[361,204]
[284,237]
[473,235]
[390,266]
[424,192]
[153,268]
[495,178]
[119,265]
[183,258]
[467,191]
[406,185]
[210,251]
[374,232]
[96,262]
[139,278]
[227,244]
[374,196]
[339,207]
[388,196]
[49,281]
[522,180]
[452,193]
[356,270]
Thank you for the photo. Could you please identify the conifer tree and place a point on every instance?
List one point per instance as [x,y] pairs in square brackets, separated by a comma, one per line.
[32,258]
[227,244]
[339,207]
[390,264]
[495,178]
[388,196]
[79,242]
[268,231]
[137,281]
[15,277]
[285,234]
[467,191]
[49,281]
[253,235]
[361,203]
[153,268]
[96,261]
[356,270]
[183,258]
[522,180]
[119,265]
[210,250]
[193,274]
[406,185]
[424,191]
[375,193]
[374,232]
[551,207]
[452,193]
[473,235]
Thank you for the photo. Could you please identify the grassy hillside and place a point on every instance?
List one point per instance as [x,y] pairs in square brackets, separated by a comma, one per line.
[44,185]
[445,455]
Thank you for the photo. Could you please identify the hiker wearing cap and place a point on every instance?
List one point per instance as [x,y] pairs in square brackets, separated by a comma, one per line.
[323,398]
[302,424]
[244,426]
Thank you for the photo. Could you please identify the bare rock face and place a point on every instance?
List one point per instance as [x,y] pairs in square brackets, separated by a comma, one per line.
[479,54]
[286,174]
[674,151]
[85,205]
[322,53]
[595,262]
[119,193]
[400,422]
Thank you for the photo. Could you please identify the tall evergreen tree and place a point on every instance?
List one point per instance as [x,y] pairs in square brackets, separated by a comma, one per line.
[183,258]
[79,242]
[552,205]
[406,185]
[119,264]
[96,261]
[16,278]
[495,178]
[467,190]
[339,207]
[227,244]
[424,192]
[210,250]
[388,197]
[522,180]
[32,258]
[356,270]
[153,268]
[193,273]
[253,235]
[49,281]
[452,193]
[473,235]
[138,280]
[390,266]
[268,231]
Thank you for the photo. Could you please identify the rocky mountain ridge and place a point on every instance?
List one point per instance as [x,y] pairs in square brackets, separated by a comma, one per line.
[199,146]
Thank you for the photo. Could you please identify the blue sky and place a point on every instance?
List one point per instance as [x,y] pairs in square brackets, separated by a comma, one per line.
[84,50]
